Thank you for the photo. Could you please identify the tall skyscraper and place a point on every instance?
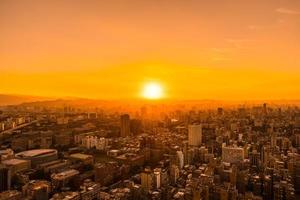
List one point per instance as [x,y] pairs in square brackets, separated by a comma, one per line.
[4,178]
[297,140]
[273,140]
[265,154]
[265,108]
[180,159]
[157,178]
[195,135]
[125,125]
[174,173]
[147,179]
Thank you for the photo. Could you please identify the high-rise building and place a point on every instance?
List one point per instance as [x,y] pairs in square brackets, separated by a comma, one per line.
[297,138]
[267,187]
[265,155]
[157,178]
[147,179]
[297,176]
[232,154]
[125,125]
[254,158]
[265,108]
[105,172]
[174,173]
[283,190]
[273,140]
[16,165]
[195,135]
[4,178]
[37,189]
[135,126]
[220,111]
[62,179]
[180,159]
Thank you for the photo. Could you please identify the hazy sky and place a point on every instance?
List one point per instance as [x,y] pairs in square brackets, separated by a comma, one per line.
[217,49]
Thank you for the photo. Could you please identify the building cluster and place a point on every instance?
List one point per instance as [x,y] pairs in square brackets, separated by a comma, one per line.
[12,122]
[245,153]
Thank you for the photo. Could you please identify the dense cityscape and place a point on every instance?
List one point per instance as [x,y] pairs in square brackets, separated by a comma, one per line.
[149,100]
[223,153]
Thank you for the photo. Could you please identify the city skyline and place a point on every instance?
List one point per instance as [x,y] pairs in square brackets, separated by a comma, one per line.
[227,50]
[149,100]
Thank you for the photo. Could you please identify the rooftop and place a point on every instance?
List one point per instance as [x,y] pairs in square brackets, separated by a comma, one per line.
[9,194]
[80,156]
[35,153]
[13,161]
[65,174]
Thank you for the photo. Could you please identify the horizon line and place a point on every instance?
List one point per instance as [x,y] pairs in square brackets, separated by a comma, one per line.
[53,98]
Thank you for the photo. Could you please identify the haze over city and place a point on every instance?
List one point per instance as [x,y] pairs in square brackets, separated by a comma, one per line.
[149,99]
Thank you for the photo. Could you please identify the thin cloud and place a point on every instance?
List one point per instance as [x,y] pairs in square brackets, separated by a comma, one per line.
[240,43]
[221,54]
[254,27]
[221,59]
[220,50]
[287,11]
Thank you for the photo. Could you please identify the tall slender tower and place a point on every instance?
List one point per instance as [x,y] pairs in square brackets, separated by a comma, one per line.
[4,178]
[125,125]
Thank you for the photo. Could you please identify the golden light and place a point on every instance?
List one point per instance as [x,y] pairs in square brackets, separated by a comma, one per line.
[152,91]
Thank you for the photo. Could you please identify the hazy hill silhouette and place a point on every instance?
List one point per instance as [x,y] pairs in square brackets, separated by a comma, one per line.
[7,99]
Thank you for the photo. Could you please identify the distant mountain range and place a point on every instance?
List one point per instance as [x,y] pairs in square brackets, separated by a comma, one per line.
[7,99]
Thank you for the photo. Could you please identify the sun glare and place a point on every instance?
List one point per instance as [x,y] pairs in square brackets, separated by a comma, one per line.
[152,91]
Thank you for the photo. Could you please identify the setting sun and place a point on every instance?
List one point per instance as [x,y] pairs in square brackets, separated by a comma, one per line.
[152,91]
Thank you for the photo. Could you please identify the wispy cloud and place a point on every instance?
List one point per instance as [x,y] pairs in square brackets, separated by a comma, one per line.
[221,59]
[254,27]
[221,50]
[287,11]
[221,54]
[239,43]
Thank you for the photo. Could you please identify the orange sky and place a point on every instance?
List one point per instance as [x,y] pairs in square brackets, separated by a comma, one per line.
[217,49]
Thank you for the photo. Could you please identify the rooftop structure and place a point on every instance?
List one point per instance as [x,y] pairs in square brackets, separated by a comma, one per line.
[38,156]
[86,159]
[36,153]
[11,195]
[65,174]
[66,196]
[17,165]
